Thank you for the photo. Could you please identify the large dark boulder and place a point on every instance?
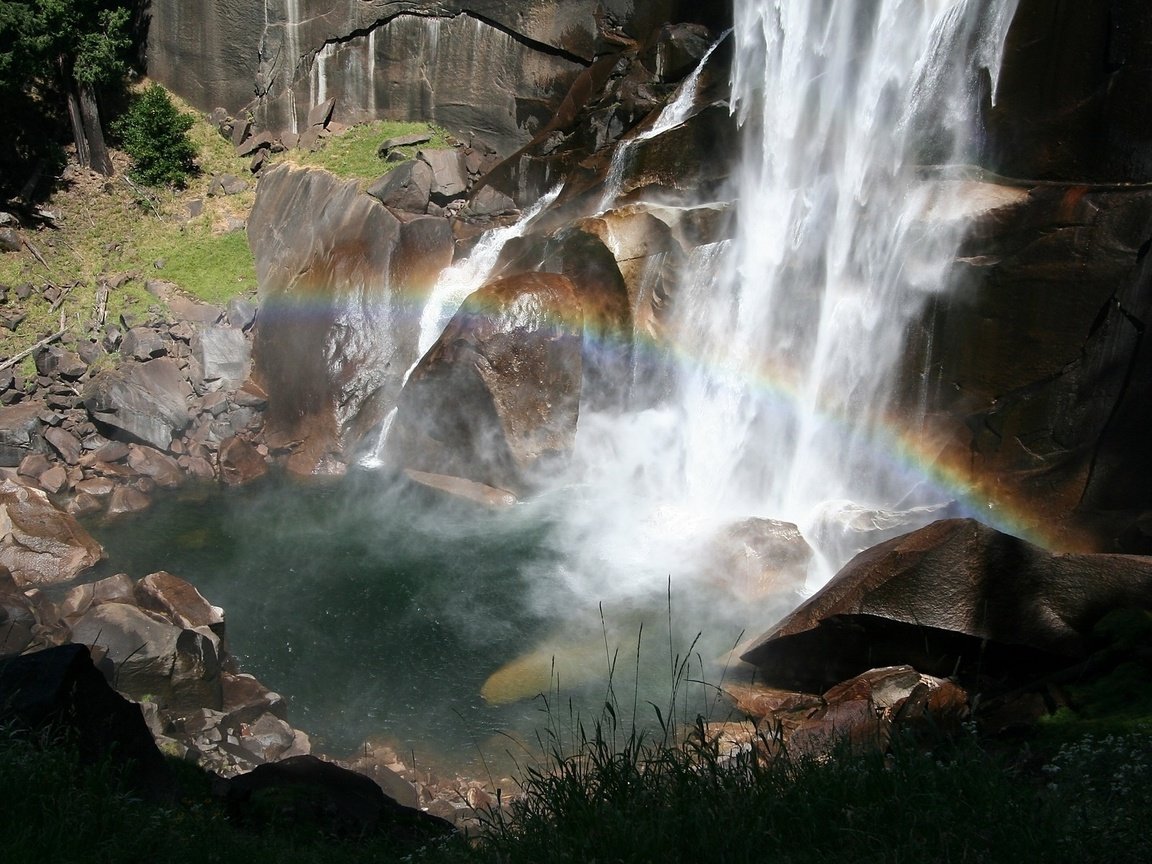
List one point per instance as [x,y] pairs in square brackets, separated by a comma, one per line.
[334,332]
[60,691]
[146,401]
[496,399]
[953,596]
[1034,366]
[333,799]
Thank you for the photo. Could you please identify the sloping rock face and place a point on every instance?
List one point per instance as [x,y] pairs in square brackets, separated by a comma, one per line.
[489,67]
[496,399]
[1073,101]
[955,595]
[339,322]
[1035,366]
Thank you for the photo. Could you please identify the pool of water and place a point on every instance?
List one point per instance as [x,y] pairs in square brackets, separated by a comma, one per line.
[380,609]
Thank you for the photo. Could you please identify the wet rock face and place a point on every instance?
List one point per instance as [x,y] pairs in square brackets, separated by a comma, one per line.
[1073,102]
[333,328]
[488,66]
[496,399]
[1036,367]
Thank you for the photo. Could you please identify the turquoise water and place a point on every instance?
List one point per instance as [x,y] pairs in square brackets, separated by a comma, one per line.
[377,610]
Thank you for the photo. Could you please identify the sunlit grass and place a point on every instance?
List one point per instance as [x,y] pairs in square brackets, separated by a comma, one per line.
[353,153]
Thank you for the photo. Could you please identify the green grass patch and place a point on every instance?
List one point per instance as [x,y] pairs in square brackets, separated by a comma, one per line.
[353,153]
[211,267]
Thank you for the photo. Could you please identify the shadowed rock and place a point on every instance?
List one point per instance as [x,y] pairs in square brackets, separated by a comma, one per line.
[496,399]
[954,595]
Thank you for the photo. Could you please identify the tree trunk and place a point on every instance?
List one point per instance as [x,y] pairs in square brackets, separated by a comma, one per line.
[82,154]
[93,133]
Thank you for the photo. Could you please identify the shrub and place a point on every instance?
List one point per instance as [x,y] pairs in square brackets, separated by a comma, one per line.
[155,134]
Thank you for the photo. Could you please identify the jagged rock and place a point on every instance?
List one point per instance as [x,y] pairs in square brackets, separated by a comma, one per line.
[320,114]
[259,141]
[126,499]
[402,141]
[241,314]
[40,544]
[143,343]
[53,360]
[33,465]
[240,463]
[54,480]
[161,467]
[226,184]
[144,400]
[21,433]
[179,602]
[495,400]
[65,443]
[955,595]
[407,187]
[449,174]
[152,658]
[223,353]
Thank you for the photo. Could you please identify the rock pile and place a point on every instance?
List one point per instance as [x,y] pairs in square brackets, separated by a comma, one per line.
[177,405]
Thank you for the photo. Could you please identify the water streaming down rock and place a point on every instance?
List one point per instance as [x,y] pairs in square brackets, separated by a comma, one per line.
[786,337]
[673,114]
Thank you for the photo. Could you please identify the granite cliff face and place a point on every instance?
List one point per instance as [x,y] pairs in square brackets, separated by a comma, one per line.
[488,67]
[1032,369]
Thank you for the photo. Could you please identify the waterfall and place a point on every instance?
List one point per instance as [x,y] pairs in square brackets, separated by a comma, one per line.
[786,339]
[786,399]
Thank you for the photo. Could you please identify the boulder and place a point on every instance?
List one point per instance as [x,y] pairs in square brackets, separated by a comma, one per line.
[40,544]
[762,559]
[341,802]
[449,174]
[160,467]
[65,443]
[147,401]
[60,689]
[223,353]
[955,595]
[143,343]
[21,432]
[179,602]
[152,658]
[407,187]
[240,462]
[496,399]
[335,335]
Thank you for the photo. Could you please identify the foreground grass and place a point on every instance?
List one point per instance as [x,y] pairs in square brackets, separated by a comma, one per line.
[648,801]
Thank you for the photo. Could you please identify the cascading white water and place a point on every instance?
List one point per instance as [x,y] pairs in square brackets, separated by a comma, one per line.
[787,337]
